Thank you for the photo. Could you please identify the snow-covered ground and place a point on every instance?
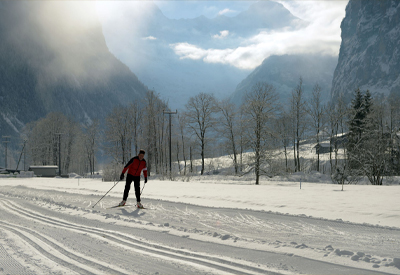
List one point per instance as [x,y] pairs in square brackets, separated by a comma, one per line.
[209,225]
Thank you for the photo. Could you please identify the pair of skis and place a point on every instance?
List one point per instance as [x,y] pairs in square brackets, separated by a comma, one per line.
[116,206]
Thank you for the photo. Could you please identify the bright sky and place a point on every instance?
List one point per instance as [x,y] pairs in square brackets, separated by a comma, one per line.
[322,35]
[192,9]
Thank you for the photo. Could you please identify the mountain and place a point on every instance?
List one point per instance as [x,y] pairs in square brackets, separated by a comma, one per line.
[284,71]
[369,55]
[143,38]
[53,57]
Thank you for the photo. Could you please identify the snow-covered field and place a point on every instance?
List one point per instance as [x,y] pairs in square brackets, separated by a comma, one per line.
[209,225]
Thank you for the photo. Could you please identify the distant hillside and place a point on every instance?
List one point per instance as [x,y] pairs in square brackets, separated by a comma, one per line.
[284,71]
[369,55]
[142,29]
[53,57]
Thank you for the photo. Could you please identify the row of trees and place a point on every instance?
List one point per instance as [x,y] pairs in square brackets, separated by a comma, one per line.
[207,127]
[55,137]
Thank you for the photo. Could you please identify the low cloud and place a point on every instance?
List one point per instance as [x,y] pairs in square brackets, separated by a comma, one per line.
[322,35]
[149,38]
[225,11]
[188,51]
[222,34]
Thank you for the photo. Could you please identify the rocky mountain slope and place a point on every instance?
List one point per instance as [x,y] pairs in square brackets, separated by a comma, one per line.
[53,57]
[370,51]
[284,72]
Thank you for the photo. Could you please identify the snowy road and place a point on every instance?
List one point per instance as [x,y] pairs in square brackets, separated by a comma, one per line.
[58,232]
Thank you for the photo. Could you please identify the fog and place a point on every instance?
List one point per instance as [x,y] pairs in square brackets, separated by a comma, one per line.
[62,40]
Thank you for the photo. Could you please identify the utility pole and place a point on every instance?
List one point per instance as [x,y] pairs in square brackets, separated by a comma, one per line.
[25,154]
[22,152]
[170,139]
[59,153]
[191,163]
[6,141]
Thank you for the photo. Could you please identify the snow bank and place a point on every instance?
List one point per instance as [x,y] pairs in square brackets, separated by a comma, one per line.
[375,205]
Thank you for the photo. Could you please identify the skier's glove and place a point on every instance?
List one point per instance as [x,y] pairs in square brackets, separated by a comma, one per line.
[122,176]
[145,180]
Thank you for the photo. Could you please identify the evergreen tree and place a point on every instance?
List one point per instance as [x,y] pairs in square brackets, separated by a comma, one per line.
[367,103]
[368,145]
[361,107]
[358,115]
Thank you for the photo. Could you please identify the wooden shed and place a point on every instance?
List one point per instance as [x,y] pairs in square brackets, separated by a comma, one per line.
[44,171]
[323,148]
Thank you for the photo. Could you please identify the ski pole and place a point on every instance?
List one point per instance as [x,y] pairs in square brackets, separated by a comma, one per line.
[104,195]
[142,188]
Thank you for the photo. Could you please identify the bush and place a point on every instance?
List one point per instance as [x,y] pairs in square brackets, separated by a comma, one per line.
[111,172]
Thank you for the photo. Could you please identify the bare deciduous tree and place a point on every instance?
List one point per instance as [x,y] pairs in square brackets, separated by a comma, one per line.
[153,124]
[283,128]
[259,108]
[119,134]
[394,126]
[229,128]
[52,137]
[299,120]
[200,115]
[91,139]
[136,118]
[316,111]
[182,126]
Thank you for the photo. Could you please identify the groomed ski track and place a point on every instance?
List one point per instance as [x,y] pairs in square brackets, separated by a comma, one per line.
[42,236]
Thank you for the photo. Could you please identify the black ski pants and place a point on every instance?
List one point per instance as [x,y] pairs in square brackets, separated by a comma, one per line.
[136,182]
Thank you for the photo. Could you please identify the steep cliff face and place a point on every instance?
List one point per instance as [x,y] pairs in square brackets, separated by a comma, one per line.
[370,51]
[53,57]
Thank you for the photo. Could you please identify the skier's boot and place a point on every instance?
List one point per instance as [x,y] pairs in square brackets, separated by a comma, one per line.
[139,205]
[122,203]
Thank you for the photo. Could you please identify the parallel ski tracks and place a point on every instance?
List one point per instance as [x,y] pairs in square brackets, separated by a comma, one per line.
[44,245]
[8,265]
[75,262]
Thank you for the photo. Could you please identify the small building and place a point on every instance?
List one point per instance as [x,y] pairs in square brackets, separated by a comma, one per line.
[323,148]
[340,140]
[44,171]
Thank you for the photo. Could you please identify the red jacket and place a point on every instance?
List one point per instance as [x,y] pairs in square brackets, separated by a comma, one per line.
[135,167]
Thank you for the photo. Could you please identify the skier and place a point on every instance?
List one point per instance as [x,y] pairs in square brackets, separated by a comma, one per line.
[135,167]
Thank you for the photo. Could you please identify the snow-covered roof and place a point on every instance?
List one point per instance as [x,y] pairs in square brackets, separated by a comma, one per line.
[341,134]
[324,144]
[44,167]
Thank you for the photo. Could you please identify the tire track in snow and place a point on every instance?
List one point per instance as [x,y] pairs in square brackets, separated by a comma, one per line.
[217,265]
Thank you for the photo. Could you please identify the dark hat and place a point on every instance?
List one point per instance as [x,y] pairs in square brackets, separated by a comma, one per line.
[141,151]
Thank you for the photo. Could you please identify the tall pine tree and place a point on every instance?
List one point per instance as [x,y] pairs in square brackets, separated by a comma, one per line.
[357,120]
[361,107]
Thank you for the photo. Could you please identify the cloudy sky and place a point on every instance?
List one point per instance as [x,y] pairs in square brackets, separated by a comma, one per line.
[322,35]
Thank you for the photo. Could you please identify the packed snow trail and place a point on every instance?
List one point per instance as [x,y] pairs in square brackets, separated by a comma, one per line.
[46,230]
[174,238]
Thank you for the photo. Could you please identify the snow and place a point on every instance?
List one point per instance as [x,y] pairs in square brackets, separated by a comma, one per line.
[9,122]
[355,228]
[364,204]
